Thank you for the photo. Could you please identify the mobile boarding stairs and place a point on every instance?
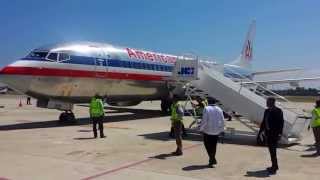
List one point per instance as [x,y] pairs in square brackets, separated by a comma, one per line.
[206,79]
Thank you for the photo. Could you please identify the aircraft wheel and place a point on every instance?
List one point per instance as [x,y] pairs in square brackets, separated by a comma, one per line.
[71,117]
[67,117]
[63,117]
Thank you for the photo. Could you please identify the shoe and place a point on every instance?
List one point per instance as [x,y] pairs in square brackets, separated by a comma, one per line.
[103,136]
[272,170]
[213,162]
[210,165]
[177,153]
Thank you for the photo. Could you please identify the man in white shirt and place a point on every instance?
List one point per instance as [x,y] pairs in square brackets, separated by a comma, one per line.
[211,126]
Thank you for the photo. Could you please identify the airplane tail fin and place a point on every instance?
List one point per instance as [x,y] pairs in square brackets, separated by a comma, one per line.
[246,56]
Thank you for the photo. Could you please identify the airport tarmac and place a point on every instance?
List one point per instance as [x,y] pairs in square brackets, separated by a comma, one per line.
[35,146]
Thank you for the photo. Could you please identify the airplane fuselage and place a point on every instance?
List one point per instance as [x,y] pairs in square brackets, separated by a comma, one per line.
[75,72]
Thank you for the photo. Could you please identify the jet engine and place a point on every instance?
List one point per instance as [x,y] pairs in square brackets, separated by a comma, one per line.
[123,103]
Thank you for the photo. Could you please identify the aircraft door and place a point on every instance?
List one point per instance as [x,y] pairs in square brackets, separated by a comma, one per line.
[101,66]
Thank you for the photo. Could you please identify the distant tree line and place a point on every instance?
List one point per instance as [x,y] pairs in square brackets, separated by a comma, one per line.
[299,91]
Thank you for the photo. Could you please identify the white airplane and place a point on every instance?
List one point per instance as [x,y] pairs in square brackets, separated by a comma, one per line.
[61,75]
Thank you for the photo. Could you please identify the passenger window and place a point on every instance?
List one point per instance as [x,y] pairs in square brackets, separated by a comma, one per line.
[121,64]
[135,65]
[126,64]
[64,57]
[53,56]
[139,66]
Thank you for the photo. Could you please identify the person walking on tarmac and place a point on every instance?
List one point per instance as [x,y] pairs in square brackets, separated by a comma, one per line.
[176,120]
[97,115]
[272,125]
[315,124]
[212,125]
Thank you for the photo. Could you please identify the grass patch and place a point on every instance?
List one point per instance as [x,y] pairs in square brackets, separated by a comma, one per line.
[302,98]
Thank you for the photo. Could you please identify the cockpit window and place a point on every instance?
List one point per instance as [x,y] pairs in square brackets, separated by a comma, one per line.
[64,57]
[38,54]
[53,57]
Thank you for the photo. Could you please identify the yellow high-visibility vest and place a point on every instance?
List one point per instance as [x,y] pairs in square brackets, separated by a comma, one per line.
[174,115]
[205,103]
[316,121]
[96,108]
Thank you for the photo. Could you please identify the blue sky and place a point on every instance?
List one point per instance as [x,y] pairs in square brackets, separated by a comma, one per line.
[287,31]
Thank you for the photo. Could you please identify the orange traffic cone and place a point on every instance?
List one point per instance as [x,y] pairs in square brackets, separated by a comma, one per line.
[20,103]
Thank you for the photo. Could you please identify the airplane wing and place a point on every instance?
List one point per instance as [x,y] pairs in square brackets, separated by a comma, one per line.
[276,71]
[292,82]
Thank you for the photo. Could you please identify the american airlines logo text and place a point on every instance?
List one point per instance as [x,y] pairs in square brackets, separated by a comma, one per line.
[188,71]
[151,56]
[248,51]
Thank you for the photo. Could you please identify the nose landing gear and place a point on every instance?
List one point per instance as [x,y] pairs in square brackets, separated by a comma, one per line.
[67,116]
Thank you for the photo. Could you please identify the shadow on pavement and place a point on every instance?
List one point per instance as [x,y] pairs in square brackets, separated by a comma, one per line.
[163,156]
[258,174]
[84,138]
[164,136]
[196,167]
[137,114]
[239,137]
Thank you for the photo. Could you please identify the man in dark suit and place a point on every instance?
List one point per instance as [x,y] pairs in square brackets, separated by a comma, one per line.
[272,125]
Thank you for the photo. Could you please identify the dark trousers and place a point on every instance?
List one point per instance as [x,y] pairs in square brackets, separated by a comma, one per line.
[316,133]
[184,132]
[272,141]
[210,142]
[177,126]
[99,121]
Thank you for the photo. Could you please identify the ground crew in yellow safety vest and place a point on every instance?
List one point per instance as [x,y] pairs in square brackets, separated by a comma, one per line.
[202,103]
[176,120]
[97,115]
[205,102]
[315,124]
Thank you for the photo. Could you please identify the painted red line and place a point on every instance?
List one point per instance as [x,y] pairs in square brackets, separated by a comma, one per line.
[2,178]
[117,169]
[192,146]
[130,165]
